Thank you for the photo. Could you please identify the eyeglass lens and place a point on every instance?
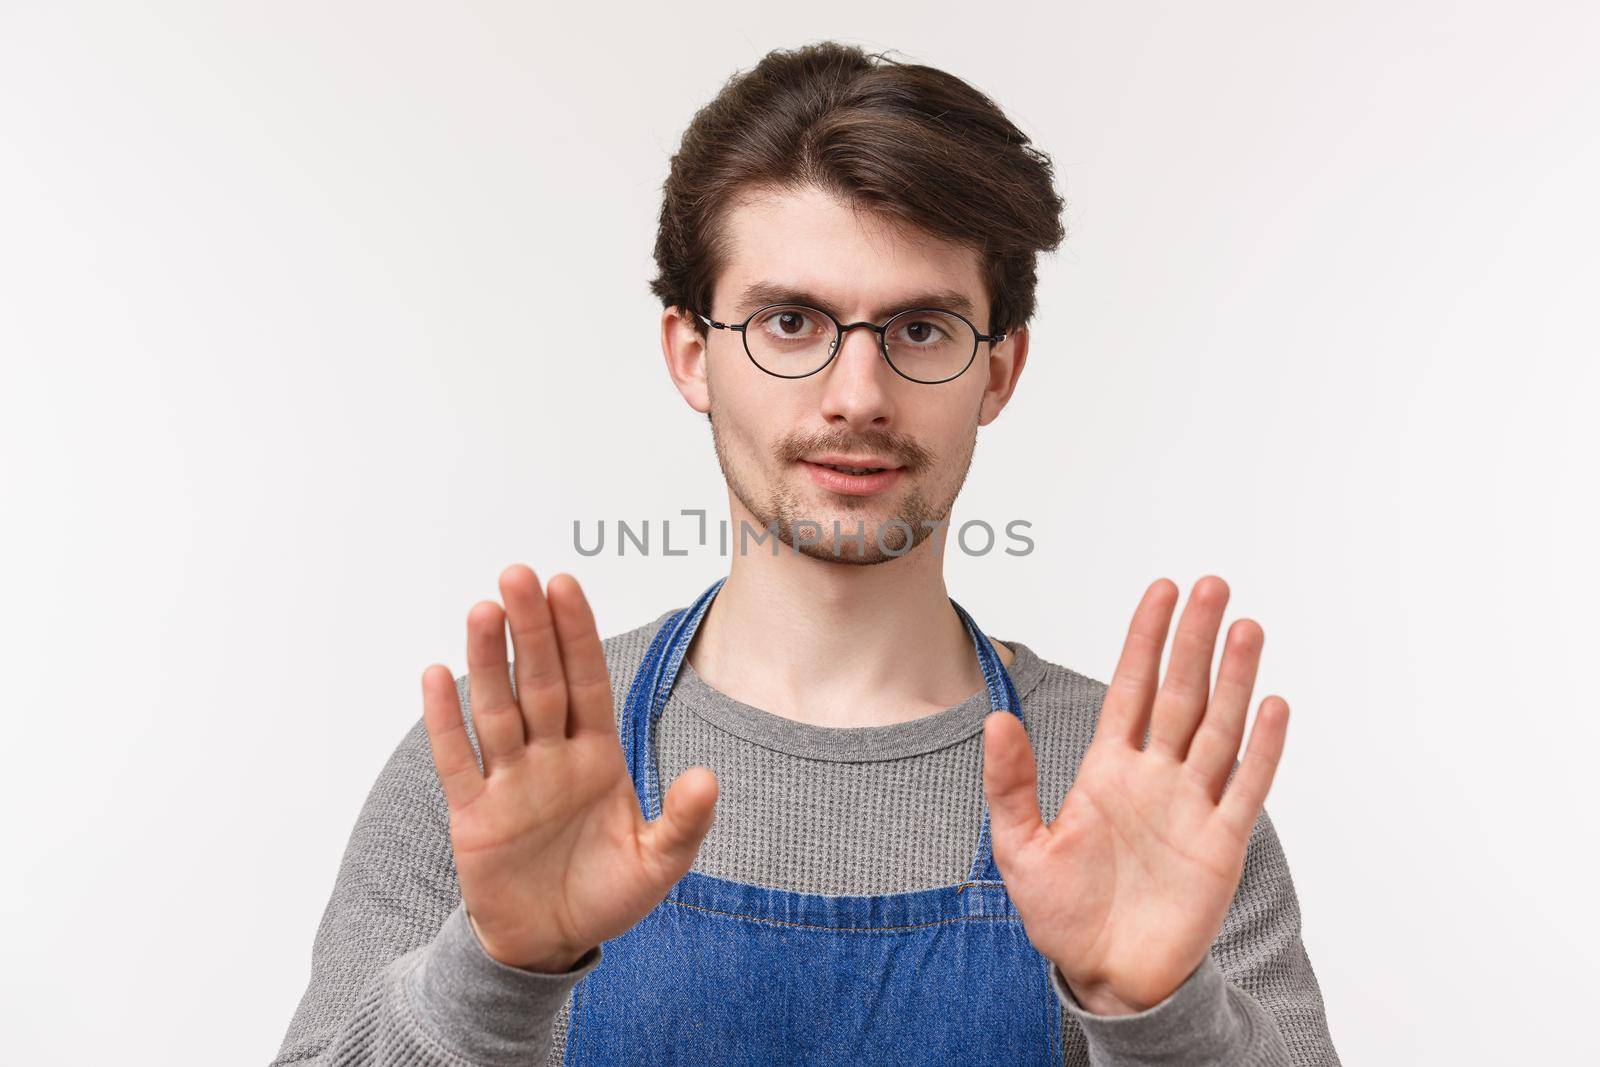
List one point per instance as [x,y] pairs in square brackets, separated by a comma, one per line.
[793,340]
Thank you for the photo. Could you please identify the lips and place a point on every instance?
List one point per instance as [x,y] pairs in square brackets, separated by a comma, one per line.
[852,476]
[853,464]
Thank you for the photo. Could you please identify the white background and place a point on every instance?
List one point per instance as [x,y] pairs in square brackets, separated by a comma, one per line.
[314,317]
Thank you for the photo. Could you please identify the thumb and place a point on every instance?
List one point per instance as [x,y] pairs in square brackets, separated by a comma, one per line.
[686,816]
[1010,780]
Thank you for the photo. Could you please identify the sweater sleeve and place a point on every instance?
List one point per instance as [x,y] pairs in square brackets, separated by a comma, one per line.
[1252,1002]
[397,974]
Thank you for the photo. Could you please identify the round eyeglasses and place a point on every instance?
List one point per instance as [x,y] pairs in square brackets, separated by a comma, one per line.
[926,345]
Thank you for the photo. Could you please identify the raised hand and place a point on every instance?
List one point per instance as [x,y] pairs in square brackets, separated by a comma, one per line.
[552,852]
[1127,888]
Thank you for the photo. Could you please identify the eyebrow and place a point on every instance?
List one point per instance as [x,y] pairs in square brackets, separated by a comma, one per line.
[761,294]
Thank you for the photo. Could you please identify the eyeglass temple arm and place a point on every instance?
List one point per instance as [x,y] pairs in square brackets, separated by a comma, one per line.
[717,325]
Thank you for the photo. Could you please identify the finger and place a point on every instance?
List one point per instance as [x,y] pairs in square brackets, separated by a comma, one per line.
[495,714]
[1010,782]
[1181,703]
[1247,793]
[1125,711]
[447,738]
[687,812]
[541,684]
[1216,742]
[583,659]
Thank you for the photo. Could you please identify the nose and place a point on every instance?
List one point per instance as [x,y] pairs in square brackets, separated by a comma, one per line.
[857,384]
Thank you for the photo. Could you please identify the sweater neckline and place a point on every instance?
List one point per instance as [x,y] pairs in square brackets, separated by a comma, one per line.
[850,744]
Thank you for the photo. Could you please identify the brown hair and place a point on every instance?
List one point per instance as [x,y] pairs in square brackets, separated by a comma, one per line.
[908,141]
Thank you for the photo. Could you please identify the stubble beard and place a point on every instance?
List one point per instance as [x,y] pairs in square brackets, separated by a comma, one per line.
[865,538]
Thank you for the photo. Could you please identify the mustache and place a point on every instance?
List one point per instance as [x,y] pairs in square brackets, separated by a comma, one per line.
[903,450]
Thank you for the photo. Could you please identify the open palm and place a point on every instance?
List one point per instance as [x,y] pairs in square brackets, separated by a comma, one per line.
[1127,887]
[552,851]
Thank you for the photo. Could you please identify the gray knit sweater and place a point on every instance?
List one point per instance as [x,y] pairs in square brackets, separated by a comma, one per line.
[398,977]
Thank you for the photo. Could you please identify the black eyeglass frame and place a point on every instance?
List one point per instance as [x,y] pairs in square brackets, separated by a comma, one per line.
[839,331]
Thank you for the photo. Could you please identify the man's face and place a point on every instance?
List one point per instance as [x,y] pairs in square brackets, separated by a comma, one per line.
[776,438]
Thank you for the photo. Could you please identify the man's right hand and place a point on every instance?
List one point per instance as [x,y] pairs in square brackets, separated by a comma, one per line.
[552,852]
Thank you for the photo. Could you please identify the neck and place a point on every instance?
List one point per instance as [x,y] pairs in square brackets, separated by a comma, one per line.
[838,644]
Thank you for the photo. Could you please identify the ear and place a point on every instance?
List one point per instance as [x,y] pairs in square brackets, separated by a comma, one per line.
[685,352]
[1006,361]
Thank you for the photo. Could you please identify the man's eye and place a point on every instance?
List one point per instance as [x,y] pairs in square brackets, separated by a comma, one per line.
[923,331]
[787,323]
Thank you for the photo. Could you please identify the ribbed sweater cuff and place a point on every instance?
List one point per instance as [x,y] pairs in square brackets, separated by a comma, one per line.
[1197,1024]
[481,1008]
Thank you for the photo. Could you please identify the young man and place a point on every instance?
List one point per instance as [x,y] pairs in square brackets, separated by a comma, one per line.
[799,819]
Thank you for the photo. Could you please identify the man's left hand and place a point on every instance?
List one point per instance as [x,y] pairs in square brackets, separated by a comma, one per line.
[1127,887]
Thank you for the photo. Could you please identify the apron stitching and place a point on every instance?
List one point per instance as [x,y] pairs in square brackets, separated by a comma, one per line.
[842,929]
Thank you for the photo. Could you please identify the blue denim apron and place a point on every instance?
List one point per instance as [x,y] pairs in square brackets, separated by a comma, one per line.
[724,972]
